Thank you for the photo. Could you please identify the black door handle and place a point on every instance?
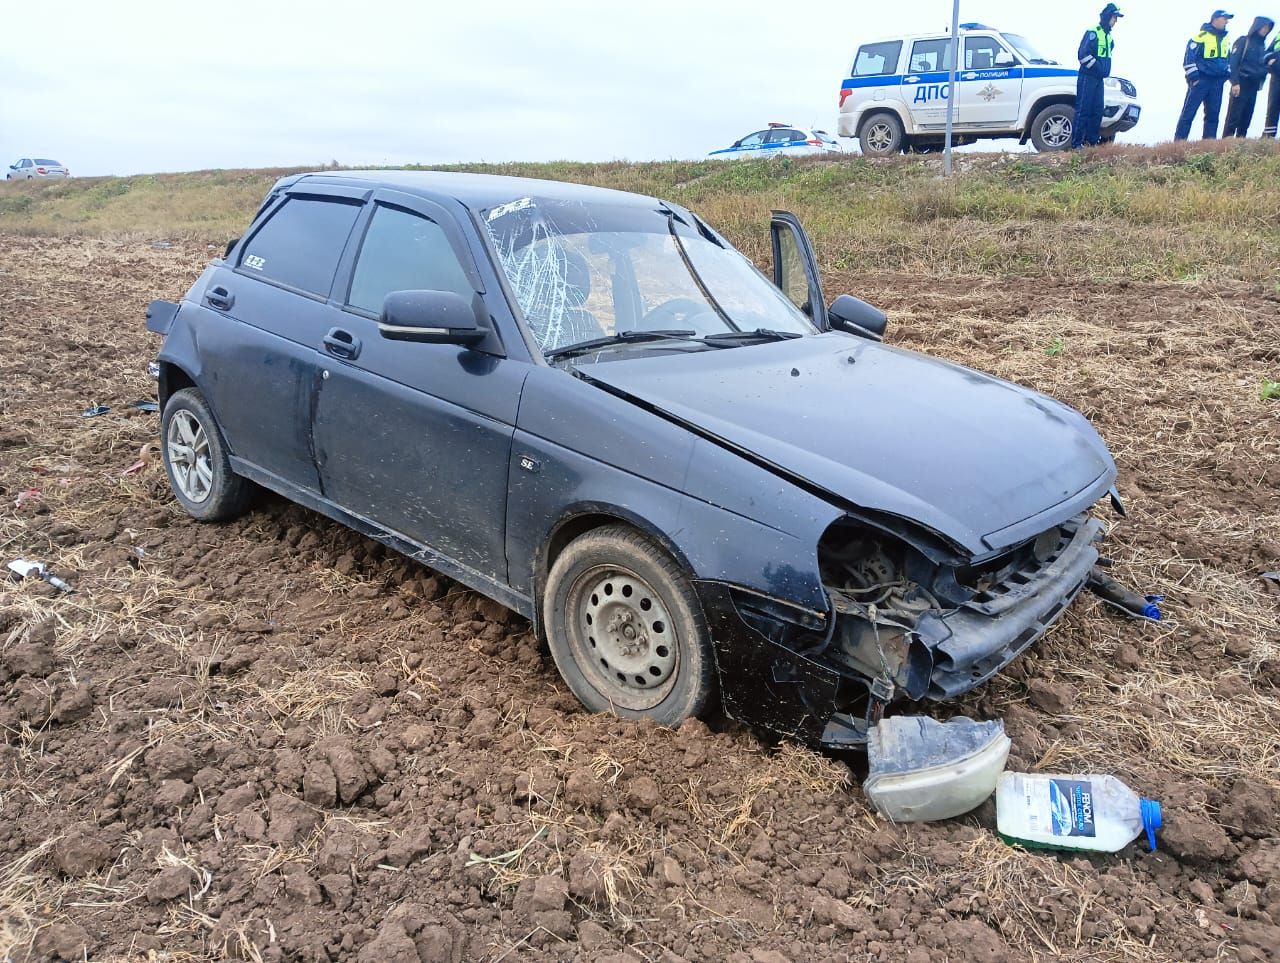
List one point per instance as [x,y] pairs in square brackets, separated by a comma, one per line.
[342,344]
[220,298]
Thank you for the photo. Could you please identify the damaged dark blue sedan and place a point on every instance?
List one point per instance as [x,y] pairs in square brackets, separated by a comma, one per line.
[697,483]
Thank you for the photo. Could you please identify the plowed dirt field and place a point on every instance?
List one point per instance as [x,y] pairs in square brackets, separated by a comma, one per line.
[275,740]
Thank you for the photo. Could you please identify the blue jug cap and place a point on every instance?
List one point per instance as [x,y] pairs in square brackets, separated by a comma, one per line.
[1152,819]
[1152,609]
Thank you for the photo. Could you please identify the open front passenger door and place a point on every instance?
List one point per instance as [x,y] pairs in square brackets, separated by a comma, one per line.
[795,269]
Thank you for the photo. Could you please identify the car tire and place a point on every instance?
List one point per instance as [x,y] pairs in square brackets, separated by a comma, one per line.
[1051,129]
[881,135]
[626,629]
[197,461]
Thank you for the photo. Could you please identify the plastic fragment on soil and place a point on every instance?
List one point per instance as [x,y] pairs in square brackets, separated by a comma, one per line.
[144,405]
[93,411]
[24,568]
[27,497]
[922,769]
[1271,576]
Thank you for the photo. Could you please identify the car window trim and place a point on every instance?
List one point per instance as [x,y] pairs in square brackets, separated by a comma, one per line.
[300,191]
[409,204]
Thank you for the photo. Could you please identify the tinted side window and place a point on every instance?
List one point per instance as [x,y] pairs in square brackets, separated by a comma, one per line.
[931,55]
[301,244]
[404,252]
[877,59]
[754,140]
[980,53]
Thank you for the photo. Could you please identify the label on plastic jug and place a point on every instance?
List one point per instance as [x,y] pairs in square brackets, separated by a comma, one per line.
[1069,807]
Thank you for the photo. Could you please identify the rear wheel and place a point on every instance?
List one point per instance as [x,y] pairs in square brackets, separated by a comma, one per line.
[882,135]
[626,630]
[1052,127]
[197,462]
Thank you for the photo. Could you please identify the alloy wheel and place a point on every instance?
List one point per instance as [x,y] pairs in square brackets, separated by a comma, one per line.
[188,449]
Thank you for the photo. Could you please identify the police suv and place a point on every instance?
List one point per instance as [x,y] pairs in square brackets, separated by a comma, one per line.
[897,97]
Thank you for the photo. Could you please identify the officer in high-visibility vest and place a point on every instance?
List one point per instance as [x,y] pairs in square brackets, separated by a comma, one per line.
[1207,63]
[1095,68]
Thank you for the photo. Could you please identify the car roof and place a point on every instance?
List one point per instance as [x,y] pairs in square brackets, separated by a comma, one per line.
[934,35]
[473,190]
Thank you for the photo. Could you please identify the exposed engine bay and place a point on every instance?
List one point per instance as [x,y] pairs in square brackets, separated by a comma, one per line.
[913,628]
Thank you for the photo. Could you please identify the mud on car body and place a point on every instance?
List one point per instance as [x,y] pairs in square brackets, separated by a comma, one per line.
[586,405]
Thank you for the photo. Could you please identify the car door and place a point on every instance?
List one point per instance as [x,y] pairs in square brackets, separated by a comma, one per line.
[416,437]
[753,145]
[263,312]
[989,83]
[786,140]
[925,87]
[795,268]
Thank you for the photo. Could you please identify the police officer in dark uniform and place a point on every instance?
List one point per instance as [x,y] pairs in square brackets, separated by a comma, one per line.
[1207,63]
[1273,92]
[1095,68]
[1248,74]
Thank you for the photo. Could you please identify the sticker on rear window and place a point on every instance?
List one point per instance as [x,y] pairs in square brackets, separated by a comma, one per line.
[255,262]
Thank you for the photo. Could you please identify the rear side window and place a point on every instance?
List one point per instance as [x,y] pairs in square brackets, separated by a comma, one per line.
[45,162]
[928,56]
[785,136]
[404,252]
[877,59]
[301,244]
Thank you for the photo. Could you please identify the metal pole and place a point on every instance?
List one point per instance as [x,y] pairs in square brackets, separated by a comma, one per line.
[951,90]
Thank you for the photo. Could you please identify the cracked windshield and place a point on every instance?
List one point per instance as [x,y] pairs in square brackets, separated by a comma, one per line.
[585,272]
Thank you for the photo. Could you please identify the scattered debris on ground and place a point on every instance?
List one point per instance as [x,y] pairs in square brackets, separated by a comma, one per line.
[277,740]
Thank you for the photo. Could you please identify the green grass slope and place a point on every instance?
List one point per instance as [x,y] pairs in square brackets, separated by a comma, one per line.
[1174,213]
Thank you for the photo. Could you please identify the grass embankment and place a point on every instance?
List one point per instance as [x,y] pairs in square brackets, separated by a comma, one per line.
[1188,213]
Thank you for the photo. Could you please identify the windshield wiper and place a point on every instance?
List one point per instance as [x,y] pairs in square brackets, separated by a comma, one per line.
[621,337]
[759,334]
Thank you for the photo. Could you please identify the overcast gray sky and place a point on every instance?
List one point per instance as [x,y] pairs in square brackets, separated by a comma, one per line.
[140,85]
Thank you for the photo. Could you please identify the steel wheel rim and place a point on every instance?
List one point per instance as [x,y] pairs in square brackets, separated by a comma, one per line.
[880,137]
[190,464]
[1056,131]
[622,637]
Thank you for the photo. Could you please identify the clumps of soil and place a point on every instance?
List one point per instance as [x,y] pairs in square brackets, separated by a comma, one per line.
[276,740]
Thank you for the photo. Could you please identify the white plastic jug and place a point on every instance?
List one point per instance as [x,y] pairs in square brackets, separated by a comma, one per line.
[1073,812]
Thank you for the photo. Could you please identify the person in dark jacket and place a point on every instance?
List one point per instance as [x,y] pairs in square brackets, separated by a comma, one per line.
[1273,92]
[1207,64]
[1248,73]
[1095,68]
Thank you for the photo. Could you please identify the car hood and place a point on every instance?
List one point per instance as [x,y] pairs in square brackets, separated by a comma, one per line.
[983,462]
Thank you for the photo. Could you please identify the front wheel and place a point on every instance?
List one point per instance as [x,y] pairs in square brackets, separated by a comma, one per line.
[626,630]
[882,135]
[197,461]
[1052,127]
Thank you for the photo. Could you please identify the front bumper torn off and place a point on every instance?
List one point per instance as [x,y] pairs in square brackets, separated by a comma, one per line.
[798,686]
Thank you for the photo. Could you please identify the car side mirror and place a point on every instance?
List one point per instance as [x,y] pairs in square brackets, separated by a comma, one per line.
[737,143]
[1004,59]
[431,317]
[854,316]
[230,247]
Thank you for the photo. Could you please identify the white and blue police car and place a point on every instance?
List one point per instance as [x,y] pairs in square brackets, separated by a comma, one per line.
[780,140]
[896,98]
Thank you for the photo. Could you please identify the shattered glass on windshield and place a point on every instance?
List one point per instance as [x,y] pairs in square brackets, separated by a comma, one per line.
[581,272]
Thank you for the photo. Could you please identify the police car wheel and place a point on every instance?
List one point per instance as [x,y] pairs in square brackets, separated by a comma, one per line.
[881,135]
[1051,130]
